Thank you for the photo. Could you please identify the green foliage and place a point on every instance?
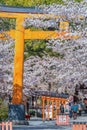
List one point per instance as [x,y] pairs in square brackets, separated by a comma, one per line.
[29,2]
[54,54]
[4,24]
[7,24]
[32,2]
[39,48]
[47,2]
[34,48]
[32,113]
[72,25]
[3,111]
[78,0]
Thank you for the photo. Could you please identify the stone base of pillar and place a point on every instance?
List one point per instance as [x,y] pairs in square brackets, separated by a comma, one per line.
[16,112]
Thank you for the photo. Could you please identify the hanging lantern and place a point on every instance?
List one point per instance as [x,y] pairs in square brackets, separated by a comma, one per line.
[39,101]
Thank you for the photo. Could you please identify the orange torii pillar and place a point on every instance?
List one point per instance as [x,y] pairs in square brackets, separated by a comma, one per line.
[57,106]
[43,108]
[18,62]
[48,104]
[52,108]
[59,102]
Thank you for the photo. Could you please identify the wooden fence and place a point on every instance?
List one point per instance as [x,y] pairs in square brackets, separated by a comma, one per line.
[79,126]
[6,125]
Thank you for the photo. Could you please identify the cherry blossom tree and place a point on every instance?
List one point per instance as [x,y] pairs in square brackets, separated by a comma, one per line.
[62,73]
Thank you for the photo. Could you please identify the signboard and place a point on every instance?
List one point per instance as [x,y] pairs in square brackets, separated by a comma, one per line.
[39,102]
[62,118]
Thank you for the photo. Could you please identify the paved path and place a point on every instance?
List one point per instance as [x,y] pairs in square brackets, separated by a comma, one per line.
[38,124]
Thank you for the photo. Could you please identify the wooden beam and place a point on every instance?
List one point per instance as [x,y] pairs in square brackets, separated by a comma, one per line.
[39,35]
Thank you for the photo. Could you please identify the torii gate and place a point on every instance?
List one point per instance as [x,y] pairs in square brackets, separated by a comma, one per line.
[20,34]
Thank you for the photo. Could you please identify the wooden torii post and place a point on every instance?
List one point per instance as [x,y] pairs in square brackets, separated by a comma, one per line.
[20,34]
